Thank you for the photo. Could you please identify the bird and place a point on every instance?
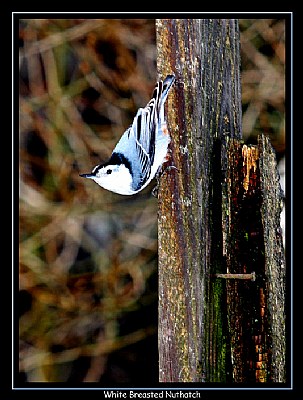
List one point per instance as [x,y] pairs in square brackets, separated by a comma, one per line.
[141,150]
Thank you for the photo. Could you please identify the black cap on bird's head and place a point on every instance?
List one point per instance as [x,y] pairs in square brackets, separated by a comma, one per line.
[115,160]
[114,175]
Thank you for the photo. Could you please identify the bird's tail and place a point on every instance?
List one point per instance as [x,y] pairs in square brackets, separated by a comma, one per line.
[161,91]
[165,86]
[167,83]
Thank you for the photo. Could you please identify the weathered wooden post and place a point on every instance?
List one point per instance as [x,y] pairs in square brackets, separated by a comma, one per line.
[253,243]
[201,238]
[204,110]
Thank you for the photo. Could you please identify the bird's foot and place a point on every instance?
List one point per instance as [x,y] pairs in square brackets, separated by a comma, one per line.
[158,176]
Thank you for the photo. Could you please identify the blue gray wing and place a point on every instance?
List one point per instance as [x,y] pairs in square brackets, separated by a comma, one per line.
[141,135]
[144,129]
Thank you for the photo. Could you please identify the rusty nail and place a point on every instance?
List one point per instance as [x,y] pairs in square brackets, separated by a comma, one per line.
[251,276]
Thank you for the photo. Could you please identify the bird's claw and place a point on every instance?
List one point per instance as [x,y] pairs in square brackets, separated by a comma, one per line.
[158,176]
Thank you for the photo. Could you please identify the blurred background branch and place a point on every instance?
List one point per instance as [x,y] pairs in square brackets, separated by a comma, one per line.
[88,258]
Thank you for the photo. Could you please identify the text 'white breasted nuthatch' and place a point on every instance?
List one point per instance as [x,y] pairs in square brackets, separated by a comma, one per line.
[142,149]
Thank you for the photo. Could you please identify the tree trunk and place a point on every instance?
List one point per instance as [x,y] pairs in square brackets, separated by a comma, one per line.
[221,261]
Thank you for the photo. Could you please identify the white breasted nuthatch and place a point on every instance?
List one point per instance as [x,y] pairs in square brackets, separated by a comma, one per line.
[142,149]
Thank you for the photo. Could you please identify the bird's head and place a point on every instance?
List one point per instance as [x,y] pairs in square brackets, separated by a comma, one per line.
[117,178]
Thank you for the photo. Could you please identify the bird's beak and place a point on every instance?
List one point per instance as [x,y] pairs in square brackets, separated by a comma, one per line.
[87,175]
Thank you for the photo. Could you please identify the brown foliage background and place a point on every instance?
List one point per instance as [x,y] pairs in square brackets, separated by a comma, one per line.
[88,258]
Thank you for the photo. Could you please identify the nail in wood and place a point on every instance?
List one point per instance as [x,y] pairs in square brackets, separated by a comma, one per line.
[251,276]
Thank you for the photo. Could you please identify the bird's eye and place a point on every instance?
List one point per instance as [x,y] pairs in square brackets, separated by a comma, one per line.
[109,171]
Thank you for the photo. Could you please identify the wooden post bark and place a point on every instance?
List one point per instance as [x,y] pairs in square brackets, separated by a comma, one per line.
[253,243]
[217,221]
[203,111]
[275,263]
